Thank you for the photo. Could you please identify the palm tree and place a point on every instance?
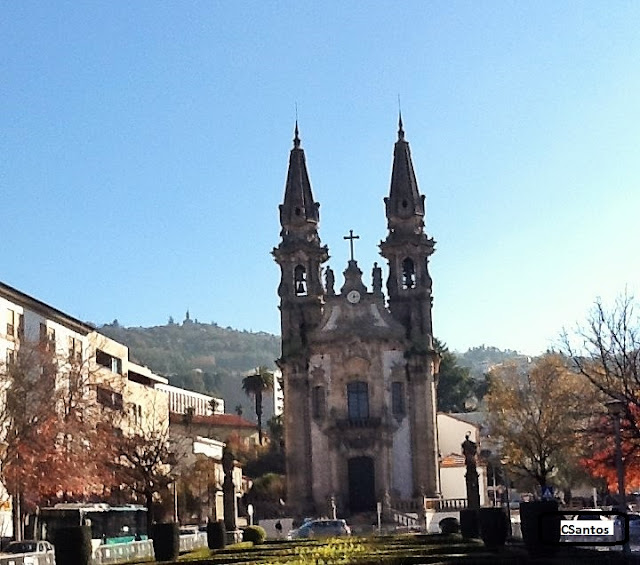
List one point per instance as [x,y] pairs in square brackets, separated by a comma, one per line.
[254,385]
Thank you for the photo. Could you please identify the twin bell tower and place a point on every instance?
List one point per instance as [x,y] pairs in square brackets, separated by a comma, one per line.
[358,365]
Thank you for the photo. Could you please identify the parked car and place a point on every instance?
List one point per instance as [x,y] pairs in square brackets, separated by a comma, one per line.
[295,533]
[323,528]
[634,527]
[29,546]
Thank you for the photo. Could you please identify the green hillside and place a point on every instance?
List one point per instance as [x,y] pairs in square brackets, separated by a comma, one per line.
[201,357]
[481,358]
[213,360]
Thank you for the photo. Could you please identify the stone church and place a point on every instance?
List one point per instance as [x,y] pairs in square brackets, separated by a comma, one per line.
[358,365]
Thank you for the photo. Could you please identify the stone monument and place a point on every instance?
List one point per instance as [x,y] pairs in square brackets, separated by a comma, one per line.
[469,450]
[228,491]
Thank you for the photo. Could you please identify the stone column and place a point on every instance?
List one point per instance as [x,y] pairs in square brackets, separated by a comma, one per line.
[229,491]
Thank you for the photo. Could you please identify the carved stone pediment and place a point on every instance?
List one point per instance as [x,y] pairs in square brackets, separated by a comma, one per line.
[357,366]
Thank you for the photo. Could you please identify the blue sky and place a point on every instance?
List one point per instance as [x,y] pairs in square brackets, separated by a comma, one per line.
[144,149]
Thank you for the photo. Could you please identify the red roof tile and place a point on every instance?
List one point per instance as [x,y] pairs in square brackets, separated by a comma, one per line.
[226,420]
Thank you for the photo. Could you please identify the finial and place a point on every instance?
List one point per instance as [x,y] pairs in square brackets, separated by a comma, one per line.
[296,139]
[400,129]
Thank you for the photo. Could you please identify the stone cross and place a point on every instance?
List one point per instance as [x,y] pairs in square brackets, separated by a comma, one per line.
[351,237]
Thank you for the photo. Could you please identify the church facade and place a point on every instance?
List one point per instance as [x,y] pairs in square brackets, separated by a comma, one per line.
[358,366]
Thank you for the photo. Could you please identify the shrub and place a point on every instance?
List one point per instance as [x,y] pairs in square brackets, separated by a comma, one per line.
[216,535]
[449,526]
[256,534]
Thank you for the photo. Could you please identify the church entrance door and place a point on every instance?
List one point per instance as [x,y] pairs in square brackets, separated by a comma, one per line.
[362,485]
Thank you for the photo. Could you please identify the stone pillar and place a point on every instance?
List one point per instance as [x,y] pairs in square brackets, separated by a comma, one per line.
[229,491]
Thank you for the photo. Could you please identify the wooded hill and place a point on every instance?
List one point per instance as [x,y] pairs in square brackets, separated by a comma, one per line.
[213,360]
[202,357]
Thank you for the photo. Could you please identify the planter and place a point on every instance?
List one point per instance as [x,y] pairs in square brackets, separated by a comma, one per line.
[166,541]
[72,545]
[494,527]
[540,527]
[469,525]
[216,535]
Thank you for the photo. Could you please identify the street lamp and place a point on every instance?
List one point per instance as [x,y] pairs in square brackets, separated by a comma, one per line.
[616,409]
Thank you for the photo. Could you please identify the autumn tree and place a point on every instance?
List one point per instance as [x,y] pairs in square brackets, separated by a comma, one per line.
[199,482]
[606,352]
[538,414]
[51,450]
[256,385]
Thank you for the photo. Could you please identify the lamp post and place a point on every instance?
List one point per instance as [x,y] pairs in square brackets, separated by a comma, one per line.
[503,464]
[616,410]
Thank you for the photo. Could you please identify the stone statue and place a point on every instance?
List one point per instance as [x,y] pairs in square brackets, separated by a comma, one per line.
[376,275]
[330,281]
[469,450]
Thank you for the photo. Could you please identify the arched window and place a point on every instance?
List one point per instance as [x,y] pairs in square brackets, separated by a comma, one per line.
[300,280]
[318,402]
[358,400]
[408,274]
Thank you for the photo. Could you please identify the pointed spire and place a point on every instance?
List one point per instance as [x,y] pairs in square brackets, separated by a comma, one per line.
[298,212]
[400,128]
[296,139]
[405,204]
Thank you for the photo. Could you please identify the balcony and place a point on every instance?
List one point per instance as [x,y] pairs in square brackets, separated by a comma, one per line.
[358,423]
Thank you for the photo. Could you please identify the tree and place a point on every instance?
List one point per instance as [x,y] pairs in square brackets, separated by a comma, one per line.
[144,460]
[606,351]
[538,414]
[600,459]
[267,494]
[52,448]
[455,386]
[255,385]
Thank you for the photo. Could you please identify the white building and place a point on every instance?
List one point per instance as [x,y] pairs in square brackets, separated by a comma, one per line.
[181,399]
[117,388]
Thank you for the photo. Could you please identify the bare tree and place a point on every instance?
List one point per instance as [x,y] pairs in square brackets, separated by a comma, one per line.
[146,457]
[606,351]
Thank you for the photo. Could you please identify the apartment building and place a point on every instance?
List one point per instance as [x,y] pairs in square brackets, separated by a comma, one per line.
[180,400]
[128,395]
[111,380]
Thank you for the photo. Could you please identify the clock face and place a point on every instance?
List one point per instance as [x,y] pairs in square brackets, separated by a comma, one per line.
[353,297]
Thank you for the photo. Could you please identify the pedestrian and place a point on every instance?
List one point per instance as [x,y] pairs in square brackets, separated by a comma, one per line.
[279,529]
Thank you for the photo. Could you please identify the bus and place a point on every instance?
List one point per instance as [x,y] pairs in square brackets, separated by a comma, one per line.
[109,524]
